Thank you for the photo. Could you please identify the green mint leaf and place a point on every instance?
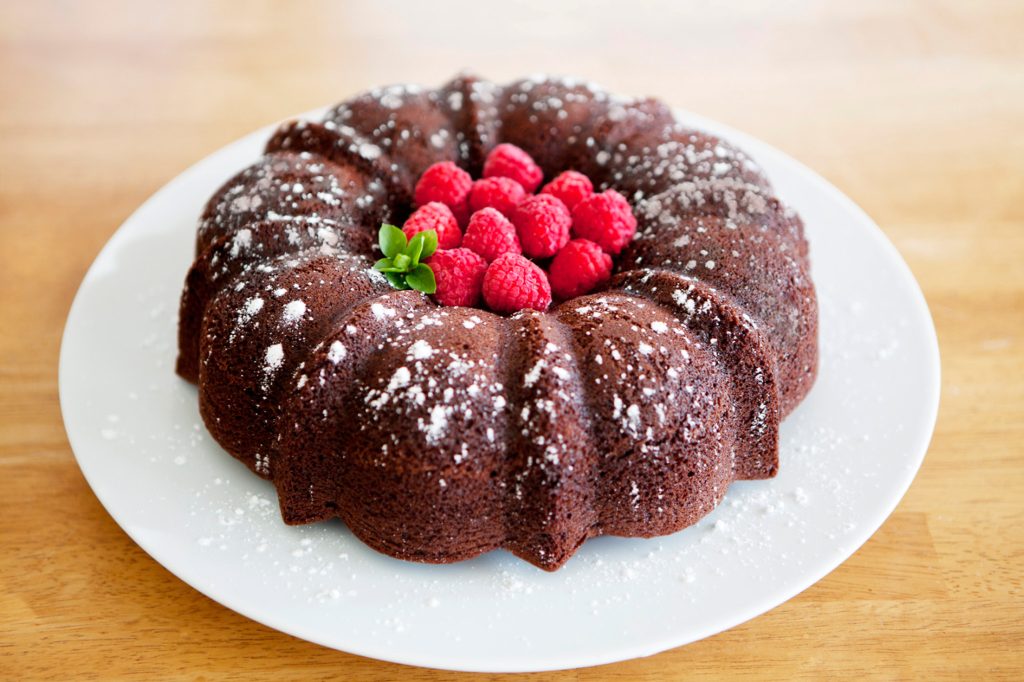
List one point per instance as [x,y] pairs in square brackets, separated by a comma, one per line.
[415,248]
[392,240]
[429,243]
[402,263]
[386,265]
[421,278]
[397,280]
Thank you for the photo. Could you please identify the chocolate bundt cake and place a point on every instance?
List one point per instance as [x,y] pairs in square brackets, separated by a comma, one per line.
[439,433]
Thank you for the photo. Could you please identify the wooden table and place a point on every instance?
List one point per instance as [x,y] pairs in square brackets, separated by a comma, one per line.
[915,110]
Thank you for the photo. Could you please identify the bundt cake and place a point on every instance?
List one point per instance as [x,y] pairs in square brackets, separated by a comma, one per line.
[439,433]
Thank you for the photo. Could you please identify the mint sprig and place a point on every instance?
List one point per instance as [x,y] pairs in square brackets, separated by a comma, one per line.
[401,263]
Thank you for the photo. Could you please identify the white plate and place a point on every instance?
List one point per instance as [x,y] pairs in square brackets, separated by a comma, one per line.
[848,455]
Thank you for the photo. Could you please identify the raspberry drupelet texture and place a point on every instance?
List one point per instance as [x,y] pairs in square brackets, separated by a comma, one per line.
[490,234]
[438,217]
[543,223]
[509,161]
[447,183]
[497,192]
[579,268]
[570,187]
[513,283]
[605,219]
[459,274]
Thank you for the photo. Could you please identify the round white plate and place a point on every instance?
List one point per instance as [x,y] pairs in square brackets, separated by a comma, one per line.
[848,455]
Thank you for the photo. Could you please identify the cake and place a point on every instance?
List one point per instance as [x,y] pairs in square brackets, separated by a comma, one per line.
[440,433]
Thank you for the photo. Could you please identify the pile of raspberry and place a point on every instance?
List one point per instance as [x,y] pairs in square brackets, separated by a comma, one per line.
[500,241]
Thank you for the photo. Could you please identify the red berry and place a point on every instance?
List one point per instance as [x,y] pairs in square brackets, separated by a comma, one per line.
[571,187]
[438,217]
[490,234]
[509,161]
[514,283]
[542,222]
[500,193]
[578,268]
[447,183]
[606,219]
[459,274]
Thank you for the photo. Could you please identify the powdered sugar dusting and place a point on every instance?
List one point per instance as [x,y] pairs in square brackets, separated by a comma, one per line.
[381,311]
[249,309]
[420,350]
[438,425]
[241,242]
[337,352]
[273,358]
[293,312]
[531,377]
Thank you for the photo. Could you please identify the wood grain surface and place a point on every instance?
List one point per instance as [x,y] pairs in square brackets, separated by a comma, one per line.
[914,109]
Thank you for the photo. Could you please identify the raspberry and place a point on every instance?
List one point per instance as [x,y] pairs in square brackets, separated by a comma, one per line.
[606,219]
[447,183]
[490,234]
[571,187]
[500,193]
[578,268]
[513,283]
[459,274]
[509,161]
[542,222]
[438,217]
